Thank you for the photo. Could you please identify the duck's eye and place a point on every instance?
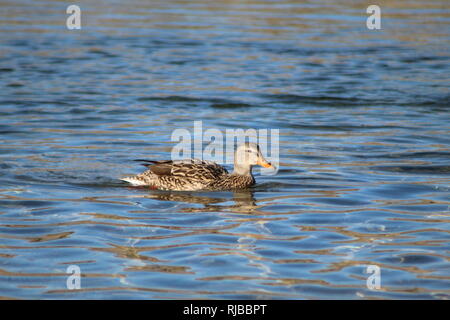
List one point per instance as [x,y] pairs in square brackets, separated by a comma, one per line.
[249,151]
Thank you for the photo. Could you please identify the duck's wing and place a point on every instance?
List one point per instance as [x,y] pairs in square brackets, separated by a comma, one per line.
[190,168]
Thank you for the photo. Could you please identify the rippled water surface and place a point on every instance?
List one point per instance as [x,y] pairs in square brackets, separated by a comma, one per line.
[364,173]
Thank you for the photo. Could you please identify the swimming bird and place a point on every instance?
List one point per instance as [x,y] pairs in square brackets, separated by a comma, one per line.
[195,174]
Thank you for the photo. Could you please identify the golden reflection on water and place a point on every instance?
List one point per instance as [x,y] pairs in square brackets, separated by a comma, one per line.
[240,203]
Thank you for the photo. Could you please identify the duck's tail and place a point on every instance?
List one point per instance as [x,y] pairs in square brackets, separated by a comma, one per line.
[135,181]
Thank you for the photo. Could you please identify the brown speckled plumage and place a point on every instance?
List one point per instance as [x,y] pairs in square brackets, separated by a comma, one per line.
[194,174]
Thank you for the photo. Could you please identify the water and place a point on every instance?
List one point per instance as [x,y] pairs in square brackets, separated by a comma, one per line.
[364,149]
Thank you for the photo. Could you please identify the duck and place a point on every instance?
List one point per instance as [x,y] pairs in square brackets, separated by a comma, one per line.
[196,174]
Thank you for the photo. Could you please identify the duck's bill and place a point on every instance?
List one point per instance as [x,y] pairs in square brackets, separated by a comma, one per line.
[265,164]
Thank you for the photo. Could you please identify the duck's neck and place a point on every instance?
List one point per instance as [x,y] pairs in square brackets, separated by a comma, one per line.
[242,170]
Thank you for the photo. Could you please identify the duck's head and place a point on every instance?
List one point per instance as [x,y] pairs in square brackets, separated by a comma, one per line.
[248,155]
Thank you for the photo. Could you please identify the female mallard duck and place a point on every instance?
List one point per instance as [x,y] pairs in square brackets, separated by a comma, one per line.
[194,174]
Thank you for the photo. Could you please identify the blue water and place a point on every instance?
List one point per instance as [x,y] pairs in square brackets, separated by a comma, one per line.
[364,175]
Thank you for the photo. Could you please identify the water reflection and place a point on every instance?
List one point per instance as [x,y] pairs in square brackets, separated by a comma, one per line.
[243,201]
